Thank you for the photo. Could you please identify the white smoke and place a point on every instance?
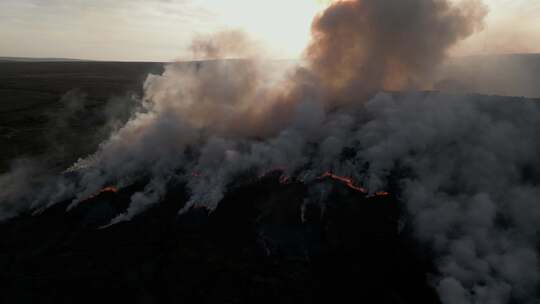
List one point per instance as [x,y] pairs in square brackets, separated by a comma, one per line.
[473,187]
[472,164]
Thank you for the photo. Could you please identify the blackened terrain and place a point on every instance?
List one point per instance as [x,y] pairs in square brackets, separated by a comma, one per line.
[257,247]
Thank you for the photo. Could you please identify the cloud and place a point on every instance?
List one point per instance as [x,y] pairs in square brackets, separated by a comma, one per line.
[102,29]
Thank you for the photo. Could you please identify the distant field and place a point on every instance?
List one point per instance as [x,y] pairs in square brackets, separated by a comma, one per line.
[27,59]
[31,93]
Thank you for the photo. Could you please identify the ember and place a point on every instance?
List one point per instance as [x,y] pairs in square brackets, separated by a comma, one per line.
[102,191]
[345,180]
[284,179]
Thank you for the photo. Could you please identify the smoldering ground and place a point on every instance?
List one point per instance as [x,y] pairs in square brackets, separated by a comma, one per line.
[472,160]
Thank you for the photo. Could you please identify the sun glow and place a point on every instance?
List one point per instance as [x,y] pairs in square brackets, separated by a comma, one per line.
[161,30]
[281,26]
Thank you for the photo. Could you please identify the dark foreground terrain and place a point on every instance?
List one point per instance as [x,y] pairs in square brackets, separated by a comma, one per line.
[257,247]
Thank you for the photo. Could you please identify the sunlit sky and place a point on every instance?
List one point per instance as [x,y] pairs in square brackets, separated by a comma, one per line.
[158,30]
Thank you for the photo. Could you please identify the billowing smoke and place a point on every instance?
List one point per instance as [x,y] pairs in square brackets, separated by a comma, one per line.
[236,117]
[472,188]
[193,107]
[360,47]
[472,162]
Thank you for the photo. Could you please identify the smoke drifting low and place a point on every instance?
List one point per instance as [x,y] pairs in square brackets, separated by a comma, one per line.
[473,187]
[473,161]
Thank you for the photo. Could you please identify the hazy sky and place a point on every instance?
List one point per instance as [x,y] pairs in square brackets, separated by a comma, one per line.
[162,29]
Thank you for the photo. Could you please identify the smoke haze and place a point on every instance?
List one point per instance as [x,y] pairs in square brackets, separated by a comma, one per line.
[473,160]
[225,44]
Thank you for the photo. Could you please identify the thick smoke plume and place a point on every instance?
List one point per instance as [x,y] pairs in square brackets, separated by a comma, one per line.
[472,188]
[472,162]
[358,48]
[362,46]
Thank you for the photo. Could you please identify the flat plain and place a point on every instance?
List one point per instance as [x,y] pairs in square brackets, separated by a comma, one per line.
[31,95]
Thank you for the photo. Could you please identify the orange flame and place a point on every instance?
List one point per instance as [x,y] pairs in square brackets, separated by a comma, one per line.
[109,189]
[345,180]
[284,179]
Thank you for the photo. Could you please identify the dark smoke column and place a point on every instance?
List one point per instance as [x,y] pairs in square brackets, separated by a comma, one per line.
[361,46]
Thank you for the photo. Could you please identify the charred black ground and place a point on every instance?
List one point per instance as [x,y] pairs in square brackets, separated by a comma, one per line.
[253,248]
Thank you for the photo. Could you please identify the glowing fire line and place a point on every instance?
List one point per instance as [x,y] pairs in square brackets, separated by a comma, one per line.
[345,180]
[109,189]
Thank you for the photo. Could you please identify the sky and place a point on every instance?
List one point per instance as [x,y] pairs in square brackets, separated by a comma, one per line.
[161,30]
